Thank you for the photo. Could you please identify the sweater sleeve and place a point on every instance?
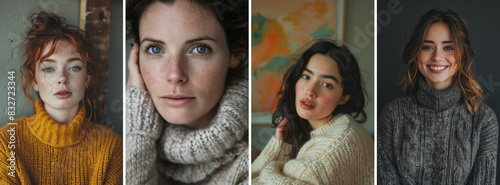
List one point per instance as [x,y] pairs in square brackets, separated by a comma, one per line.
[275,150]
[386,161]
[484,169]
[333,159]
[143,129]
[114,173]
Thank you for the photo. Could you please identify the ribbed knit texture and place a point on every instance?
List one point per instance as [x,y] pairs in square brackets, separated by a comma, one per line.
[339,152]
[431,138]
[46,152]
[163,153]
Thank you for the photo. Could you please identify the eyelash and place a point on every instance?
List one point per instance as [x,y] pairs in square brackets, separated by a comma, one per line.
[208,49]
[50,70]
[327,85]
[148,49]
[446,48]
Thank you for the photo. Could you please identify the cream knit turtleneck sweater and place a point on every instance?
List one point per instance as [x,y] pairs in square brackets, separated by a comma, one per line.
[339,152]
[163,153]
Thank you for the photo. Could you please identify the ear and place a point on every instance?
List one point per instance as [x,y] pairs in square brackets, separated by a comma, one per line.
[234,61]
[88,81]
[344,99]
[35,85]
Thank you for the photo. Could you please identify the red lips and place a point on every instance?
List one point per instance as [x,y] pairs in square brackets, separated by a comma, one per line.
[307,104]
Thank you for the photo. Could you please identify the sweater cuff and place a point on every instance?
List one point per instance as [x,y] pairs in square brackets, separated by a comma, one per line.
[277,150]
[142,118]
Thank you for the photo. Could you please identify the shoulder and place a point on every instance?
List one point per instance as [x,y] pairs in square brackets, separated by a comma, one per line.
[101,133]
[347,136]
[396,105]
[486,117]
[17,124]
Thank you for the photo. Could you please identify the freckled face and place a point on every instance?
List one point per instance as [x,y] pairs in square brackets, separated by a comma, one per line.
[61,79]
[319,90]
[184,60]
[436,58]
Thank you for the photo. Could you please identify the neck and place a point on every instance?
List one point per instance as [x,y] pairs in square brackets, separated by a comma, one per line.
[315,124]
[62,116]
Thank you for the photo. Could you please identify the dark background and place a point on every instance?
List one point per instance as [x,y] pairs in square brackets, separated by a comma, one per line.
[395,22]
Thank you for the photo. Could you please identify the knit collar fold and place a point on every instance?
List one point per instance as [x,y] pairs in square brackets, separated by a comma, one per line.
[437,99]
[194,154]
[337,119]
[54,134]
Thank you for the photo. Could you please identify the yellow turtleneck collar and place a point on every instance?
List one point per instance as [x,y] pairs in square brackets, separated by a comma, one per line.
[54,134]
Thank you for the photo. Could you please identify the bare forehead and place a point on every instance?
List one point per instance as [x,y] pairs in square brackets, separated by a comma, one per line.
[178,17]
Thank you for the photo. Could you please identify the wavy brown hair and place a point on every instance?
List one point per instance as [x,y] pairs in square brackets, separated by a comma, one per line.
[48,28]
[464,55]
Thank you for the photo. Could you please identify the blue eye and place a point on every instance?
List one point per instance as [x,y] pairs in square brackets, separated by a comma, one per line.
[201,49]
[75,68]
[48,70]
[154,50]
[305,77]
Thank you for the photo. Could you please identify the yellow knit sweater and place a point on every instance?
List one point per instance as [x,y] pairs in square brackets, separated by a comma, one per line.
[37,150]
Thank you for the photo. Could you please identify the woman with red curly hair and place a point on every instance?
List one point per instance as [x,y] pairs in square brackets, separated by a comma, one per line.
[59,144]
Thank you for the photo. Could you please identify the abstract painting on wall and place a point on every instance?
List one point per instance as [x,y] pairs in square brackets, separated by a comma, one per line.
[279,28]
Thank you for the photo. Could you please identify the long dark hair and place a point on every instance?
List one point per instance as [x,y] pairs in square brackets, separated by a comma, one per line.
[464,55]
[299,128]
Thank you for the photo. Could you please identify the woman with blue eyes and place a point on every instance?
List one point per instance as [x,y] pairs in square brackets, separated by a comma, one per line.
[187,92]
[59,144]
[318,138]
[441,132]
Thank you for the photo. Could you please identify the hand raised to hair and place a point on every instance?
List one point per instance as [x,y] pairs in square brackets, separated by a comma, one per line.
[282,131]
[134,73]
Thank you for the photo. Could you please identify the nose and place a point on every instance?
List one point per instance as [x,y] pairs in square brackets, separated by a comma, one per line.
[310,89]
[438,55]
[176,72]
[62,78]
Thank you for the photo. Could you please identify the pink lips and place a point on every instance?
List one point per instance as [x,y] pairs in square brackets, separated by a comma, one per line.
[307,104]
[177,100]
[63,94]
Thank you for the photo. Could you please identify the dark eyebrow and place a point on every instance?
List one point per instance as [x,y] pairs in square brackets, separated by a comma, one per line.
[153,41]
[200,39]
[324,76]
[444,42]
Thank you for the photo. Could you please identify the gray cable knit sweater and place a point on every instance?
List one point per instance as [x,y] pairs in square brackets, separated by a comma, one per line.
[431,138]
[163,153]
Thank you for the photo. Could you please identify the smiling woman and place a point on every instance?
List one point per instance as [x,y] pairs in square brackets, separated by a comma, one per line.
[187,92]
[59,145]
[441,132]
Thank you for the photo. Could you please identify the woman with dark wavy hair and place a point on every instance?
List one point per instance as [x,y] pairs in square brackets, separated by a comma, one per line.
[318,140]
[187,93]
[441,132]
[59,144]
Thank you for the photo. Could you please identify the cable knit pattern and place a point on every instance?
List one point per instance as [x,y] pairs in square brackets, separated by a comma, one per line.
[431,138]
[46,152]
[214,155]
[339,152]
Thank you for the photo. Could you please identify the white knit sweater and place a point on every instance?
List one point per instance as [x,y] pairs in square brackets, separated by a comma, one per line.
[339,152]
[163,153]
